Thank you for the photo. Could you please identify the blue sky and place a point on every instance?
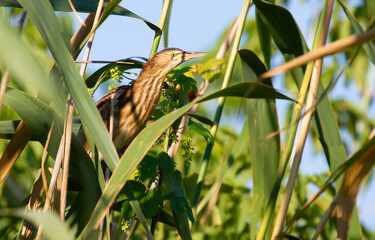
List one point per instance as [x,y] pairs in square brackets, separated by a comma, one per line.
[195,26]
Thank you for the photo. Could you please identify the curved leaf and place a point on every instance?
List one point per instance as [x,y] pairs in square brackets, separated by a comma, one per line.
[368,46]
[87,6]
[287,37]
[38,118]
[102,74]
[148,136]
[204,132]
[248,90]
[7,128]
[282,27]
[24,67]
[48,26]
[264,150]
[201,118]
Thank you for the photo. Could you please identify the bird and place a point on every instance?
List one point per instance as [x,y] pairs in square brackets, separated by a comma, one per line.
[134,104]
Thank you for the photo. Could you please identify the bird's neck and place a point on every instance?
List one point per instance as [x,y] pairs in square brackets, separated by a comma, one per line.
[148,86]
[146,92]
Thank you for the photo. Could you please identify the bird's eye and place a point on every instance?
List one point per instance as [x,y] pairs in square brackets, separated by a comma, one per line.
[173,55]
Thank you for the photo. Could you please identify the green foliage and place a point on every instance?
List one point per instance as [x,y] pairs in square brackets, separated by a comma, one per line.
[150,200]
[179,204]
[114,71]
[187,149]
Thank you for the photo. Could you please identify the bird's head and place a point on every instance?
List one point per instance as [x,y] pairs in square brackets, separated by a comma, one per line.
[170,58]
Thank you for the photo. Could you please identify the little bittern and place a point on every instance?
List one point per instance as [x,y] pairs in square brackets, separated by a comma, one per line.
[134,104]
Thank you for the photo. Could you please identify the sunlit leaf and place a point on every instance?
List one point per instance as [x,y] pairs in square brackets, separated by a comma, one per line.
[201,130]
[39,117]
[24,67]
[265,151]
[103,74]
[148,136]
[88,6]
[368,47]
[48,25]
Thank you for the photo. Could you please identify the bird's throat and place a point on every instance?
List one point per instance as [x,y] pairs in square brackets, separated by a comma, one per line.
[146,90]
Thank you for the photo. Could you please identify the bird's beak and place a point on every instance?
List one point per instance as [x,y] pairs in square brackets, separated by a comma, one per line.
[190,55]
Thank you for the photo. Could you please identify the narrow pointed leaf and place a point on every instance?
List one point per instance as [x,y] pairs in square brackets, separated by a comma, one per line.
[286,35]
[265,152]
[204,132]
[282,27]
[148,136]
[24,67]
[103,73]
[48,26]
[368,47]
[7,128]
[38,118]
[248,90]
[87,6]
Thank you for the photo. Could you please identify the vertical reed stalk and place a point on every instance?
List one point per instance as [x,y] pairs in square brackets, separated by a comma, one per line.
[311,100]
[221,102]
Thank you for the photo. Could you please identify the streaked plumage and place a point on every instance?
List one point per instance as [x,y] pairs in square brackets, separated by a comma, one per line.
[135,103]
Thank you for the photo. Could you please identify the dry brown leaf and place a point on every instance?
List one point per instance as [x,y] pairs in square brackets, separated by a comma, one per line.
[34,203]
[351,185]
[15,147]
[333,48]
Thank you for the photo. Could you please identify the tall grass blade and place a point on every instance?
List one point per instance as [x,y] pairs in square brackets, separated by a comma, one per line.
[140,146]
[368,47]
[24,67]
[265,153]
[87,6]
[39,117]
[48,26]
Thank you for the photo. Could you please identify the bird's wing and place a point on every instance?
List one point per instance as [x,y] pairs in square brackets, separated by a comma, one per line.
[104,107]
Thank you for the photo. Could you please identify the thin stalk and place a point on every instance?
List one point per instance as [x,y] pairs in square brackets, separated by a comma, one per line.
[333,48]
[325,218]
[44,158]
[80,35]
[311,100]
[164,13]
[270,208]
[166,26]
[91,39]
[76,13]
[332,179]
[52,184]
[3,86]
[101,61]
[137,208]
[214,192]
[203,88]
[221,102]
[166,140]
[82,73]
[22,134]
[68,127]
[328,89]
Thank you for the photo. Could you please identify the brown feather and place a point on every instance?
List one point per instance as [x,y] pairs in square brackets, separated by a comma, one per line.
[135,104]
